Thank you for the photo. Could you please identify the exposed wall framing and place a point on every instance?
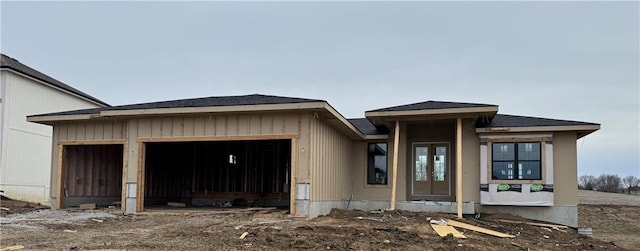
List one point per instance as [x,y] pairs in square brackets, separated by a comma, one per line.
[92,172]
[253,170]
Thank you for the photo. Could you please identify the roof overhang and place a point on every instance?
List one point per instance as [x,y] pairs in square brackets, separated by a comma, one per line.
[329,114]
[379,117]
[582,130]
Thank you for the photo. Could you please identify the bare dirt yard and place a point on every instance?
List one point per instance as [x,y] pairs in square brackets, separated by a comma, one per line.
[614,227]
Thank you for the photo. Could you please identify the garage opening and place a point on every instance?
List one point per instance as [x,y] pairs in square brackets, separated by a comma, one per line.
[218,174]
[93,174]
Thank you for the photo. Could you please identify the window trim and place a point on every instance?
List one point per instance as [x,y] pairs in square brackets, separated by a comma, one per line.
[517,160]
[543,159]
[366,165]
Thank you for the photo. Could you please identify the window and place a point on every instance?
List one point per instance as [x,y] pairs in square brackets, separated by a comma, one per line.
[377,163]
[516,161]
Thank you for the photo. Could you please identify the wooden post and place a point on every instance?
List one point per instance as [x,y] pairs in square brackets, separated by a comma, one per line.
[60,178]
[394,178]
[294,167]
[459,166]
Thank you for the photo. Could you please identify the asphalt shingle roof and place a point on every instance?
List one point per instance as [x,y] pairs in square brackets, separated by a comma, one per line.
[7,62]
[428,105]
[255,99]
[367,128]
[504,120]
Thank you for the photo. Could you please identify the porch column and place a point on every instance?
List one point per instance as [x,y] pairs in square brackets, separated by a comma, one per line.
[459,166]
[394,177]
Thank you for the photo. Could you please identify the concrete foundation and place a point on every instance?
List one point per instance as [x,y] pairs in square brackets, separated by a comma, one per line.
[435,206]
[565,215]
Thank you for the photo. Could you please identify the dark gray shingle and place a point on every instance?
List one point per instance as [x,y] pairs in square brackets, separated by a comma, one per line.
[504,120]
[10,63]
[255,99]
[428,105]
[367,128]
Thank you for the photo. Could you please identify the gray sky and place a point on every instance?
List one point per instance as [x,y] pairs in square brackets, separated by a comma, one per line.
[564,60]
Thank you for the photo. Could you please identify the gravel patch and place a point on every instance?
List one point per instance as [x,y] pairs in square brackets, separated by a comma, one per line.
[49,216]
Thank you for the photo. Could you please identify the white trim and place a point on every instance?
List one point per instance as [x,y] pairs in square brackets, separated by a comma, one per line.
[483,164]
[549,162]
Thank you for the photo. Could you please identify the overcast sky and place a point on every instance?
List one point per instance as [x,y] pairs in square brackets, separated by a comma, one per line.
[564,60]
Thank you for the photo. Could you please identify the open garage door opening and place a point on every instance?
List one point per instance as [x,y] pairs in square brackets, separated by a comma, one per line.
[92,174]
[218,173]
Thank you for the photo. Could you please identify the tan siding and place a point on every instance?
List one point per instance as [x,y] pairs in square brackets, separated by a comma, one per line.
[470,162]
[565,169]
[330,163]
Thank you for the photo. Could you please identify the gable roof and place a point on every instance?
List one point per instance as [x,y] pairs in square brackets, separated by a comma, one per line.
[7,62]
[505,120]
[430,105]
[216,101]
[367,128]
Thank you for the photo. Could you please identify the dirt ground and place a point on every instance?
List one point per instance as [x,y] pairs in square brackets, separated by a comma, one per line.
[615,228]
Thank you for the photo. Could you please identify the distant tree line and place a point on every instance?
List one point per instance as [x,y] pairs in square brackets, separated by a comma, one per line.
[611,183]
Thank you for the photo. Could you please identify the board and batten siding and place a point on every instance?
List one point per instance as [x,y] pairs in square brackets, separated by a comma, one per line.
[26,146]
[220,126]
[331,163]
[184,127]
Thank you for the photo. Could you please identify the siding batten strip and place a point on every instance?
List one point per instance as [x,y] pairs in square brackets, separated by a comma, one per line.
[394,180]
[459,166]
[60,194]
[294,167]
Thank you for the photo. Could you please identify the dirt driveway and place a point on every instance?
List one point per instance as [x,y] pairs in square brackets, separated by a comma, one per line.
[615,227]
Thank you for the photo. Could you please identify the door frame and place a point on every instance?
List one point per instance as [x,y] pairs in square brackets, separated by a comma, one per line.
[449,168]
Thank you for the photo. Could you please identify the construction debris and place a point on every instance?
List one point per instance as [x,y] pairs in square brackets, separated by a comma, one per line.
[97,220]
[369,218]
[478,229]
[536,224]
[244,235]
[5,209]
[70,231]
[90,206]
[585,231]
[443,231]
[16,247]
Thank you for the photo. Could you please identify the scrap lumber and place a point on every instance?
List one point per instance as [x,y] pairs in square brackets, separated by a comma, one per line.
[244,235]
[5,209]
[478,229]
[535,224]
[176,204]
[16,247]
[89,206]
[446,230]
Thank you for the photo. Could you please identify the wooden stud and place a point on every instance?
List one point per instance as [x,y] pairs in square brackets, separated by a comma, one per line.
[125,164]
[141,178]
[394,178]
[294,167]
[459,166]
[60,178]
[92,142]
